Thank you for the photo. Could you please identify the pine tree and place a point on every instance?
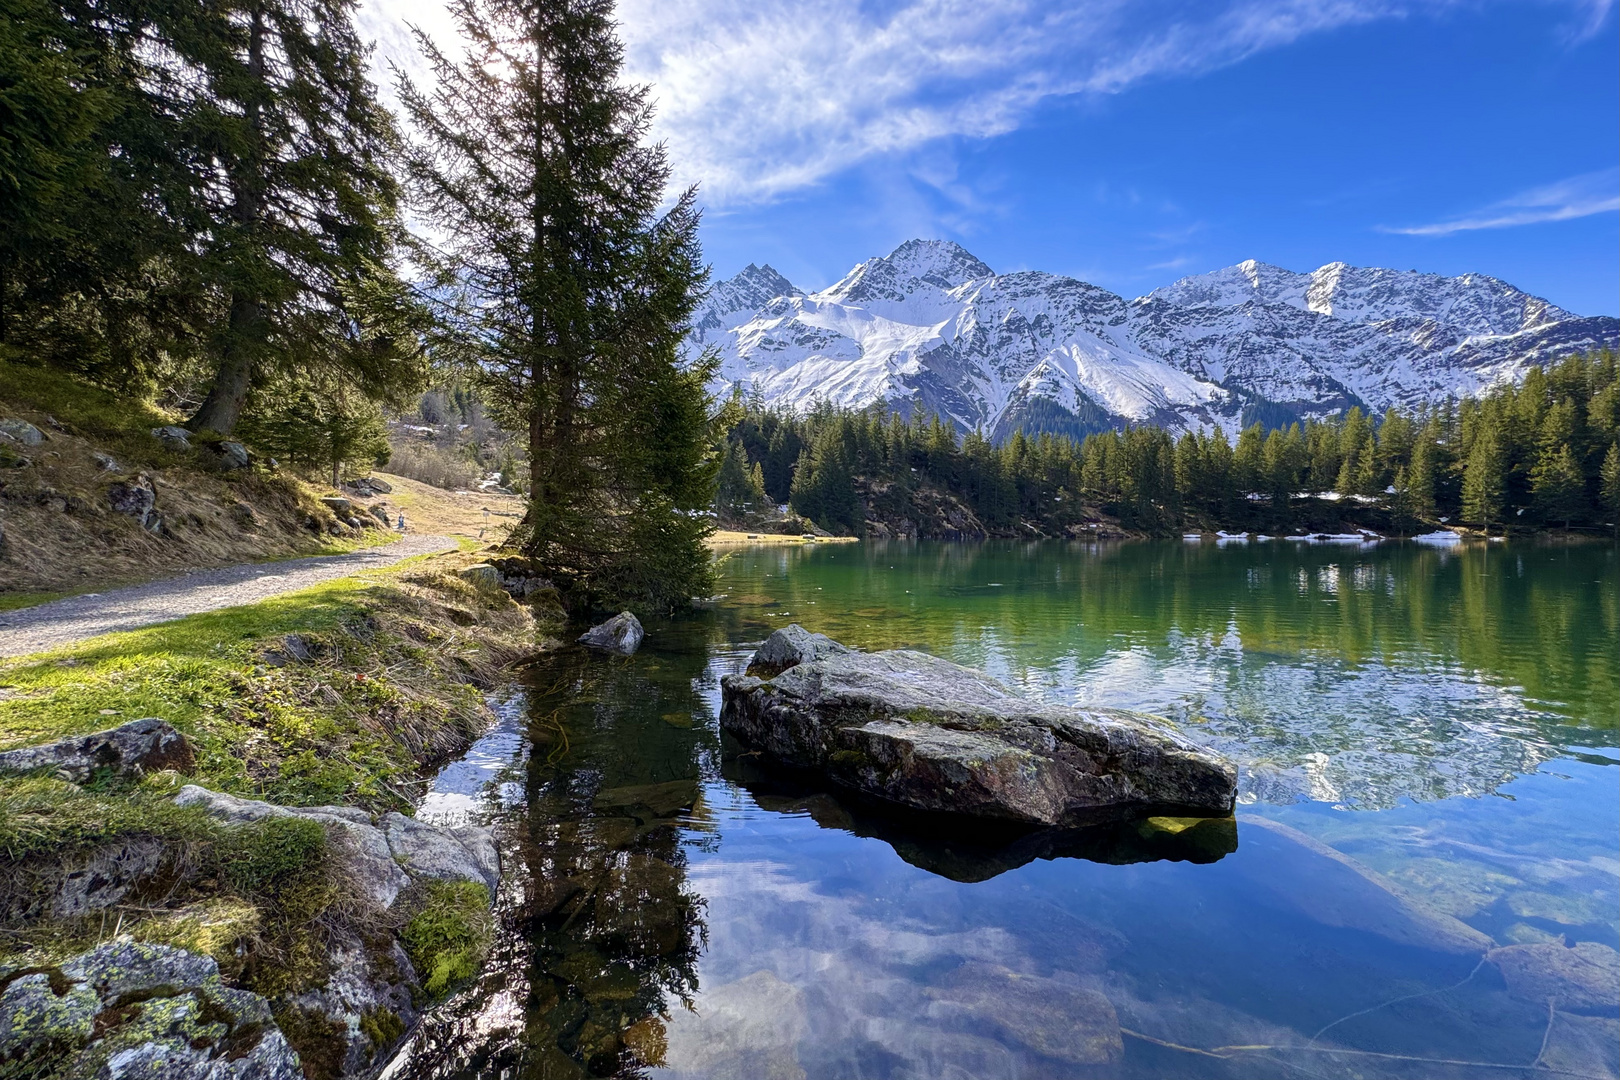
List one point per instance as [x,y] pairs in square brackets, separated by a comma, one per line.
[1420,478]
[291,156]
[569,293]
[1558,487]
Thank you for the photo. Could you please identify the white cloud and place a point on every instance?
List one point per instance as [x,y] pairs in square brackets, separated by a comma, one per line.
[760,98]
[1577,197]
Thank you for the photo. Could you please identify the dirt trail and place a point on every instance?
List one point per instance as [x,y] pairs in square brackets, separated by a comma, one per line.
[62,622]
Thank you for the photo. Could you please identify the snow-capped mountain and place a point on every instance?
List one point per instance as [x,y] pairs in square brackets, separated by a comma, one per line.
[929,327]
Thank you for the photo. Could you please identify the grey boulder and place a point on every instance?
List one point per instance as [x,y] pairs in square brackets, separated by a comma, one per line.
[135,498]
[173,437]
[22,431]
[789,646]
[380,859]
[230,456]
[133,749]
[621,634]
[927,734]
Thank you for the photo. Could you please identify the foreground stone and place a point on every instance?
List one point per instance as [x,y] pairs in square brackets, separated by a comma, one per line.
[621,635]
[133,749]
[382,857]
[135,1010]
[379,859]
[21,431]
[135,498]
[931,735]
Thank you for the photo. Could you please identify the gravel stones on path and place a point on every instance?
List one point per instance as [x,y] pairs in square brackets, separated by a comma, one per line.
[62,622]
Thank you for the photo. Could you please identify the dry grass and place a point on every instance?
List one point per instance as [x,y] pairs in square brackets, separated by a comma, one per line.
[733,538]
[429,464]
[451,513]
[62,536]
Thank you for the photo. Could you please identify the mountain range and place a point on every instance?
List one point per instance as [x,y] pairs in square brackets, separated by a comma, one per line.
[931,328]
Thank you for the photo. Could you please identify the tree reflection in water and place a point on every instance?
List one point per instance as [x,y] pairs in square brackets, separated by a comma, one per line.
[599,935]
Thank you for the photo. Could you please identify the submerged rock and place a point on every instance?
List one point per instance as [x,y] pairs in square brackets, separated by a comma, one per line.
[1330,887]
[931,735]
[133,749]
[1583,978]
[621,634]
[744,1030]
[1055,1019]
[135,1010]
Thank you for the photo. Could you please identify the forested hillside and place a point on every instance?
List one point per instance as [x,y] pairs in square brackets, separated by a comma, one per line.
[1542,455]
[202,210]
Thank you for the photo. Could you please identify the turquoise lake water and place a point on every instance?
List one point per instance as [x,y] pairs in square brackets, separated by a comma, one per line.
[1428,746]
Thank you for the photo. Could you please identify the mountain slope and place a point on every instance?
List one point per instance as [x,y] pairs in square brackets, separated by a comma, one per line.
[930,327]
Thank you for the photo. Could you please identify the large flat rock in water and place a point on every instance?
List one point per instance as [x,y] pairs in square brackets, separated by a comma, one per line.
[931,735]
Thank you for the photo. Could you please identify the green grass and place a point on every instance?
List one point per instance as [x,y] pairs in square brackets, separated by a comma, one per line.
[18,600]
[123,420]
[300,734]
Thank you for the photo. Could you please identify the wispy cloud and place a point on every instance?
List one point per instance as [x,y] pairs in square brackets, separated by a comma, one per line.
[761,98]
[1577,197]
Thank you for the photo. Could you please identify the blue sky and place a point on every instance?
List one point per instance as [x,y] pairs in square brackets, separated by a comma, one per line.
[1132,142]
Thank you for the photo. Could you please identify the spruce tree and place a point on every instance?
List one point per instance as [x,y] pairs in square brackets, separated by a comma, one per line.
[290,155]
[1609,480]
[569,293]
[1484,476]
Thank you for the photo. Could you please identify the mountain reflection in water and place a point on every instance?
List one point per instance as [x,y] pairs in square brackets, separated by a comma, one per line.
[673,912]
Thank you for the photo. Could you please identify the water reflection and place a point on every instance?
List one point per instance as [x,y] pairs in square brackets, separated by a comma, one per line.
[673,912]
[600,933]
[970,850]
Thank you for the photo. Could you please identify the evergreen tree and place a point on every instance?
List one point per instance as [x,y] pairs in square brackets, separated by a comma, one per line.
[1609,479]
[1558,488]
[291,155]
[570,294]
[1420,478]
[1484,479]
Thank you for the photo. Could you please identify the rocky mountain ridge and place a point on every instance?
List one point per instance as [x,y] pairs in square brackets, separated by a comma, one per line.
[931,328]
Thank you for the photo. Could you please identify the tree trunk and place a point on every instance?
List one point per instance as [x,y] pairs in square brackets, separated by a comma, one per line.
[234,378]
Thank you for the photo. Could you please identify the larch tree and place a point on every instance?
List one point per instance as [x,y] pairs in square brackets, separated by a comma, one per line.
[567,286]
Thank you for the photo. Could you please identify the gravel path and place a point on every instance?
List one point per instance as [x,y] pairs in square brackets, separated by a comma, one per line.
[62,622]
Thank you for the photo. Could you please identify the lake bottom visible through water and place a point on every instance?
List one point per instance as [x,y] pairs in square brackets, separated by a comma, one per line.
[1422,879]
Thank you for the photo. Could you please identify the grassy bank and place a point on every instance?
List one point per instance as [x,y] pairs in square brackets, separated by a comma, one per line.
[348,693]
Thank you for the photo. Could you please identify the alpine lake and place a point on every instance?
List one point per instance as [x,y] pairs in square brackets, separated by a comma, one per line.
[1427,739]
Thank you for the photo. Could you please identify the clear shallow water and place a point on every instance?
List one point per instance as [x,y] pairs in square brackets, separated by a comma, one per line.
[1444,718]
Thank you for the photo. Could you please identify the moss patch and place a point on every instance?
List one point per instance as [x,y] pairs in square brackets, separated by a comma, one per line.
[447,938]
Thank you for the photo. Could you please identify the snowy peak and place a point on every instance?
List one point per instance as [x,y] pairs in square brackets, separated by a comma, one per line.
[1248,281]
[916,266]
[1471,304]
[737,298]
[931,329]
